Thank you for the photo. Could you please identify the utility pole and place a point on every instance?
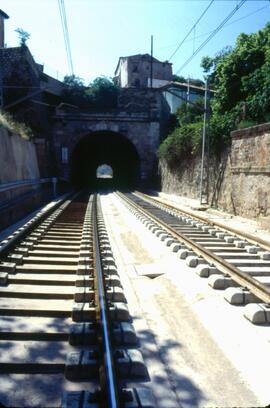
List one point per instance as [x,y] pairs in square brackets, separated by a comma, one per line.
[204,163]
[151,64]
[1,82]
[188,91]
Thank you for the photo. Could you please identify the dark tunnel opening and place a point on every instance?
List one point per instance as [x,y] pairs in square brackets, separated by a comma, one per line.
[102,147]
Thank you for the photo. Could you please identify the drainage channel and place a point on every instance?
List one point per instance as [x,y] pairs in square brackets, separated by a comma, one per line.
[231,263]
[66,336]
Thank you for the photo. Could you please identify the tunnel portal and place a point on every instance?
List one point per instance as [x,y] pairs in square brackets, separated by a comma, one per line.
[107,147]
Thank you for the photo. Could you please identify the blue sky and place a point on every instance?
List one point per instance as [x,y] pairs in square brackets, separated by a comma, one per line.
[103,30]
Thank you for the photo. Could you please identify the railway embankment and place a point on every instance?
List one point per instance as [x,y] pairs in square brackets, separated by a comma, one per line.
[238,180]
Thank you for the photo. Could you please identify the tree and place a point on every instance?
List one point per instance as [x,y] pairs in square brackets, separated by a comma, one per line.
[100,95]
[23,36]
[103,93]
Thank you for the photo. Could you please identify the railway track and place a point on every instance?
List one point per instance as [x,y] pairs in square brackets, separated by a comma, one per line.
[230,259]
[66,335]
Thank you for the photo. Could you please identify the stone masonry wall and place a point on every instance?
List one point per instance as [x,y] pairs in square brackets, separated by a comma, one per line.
[238,183]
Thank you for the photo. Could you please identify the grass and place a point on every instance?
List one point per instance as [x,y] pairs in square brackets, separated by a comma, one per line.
[9,123]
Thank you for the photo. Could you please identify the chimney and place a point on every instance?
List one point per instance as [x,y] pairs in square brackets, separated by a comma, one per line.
[3,16]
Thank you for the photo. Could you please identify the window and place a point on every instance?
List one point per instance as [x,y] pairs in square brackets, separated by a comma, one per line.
[64,154]
[135,68]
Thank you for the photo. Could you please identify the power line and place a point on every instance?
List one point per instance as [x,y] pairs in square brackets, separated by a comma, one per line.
[63,16]
[212,34]
[226,25]
[192,28]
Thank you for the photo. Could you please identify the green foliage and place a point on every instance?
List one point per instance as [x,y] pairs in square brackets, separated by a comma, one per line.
[23,36]
[100,95]
[8,122]
[241,79]
[192,81]
[103,93]
[185,139]
[183,143]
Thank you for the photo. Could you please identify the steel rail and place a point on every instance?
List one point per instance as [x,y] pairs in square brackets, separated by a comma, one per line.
[7,244]
[257,288]
[244,235]
[110,377]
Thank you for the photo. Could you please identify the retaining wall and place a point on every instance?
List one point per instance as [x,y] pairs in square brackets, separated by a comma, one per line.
[239,182]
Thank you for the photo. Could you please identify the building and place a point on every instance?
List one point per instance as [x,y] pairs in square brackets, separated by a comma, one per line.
[135,71]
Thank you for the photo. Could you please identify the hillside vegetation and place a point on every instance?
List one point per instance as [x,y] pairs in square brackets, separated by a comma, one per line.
[241,78]
[9,123]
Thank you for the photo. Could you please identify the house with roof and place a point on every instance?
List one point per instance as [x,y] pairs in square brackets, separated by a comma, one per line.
[135,71]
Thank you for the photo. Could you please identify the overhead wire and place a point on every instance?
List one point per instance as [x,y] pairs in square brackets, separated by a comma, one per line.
[226,25]
[214,32]
[192,28]
[63,17]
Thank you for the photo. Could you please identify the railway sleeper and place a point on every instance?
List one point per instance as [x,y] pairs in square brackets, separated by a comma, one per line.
[205,270]
[85,364]
[86,311]
[123,334]
[221,282]
[130,398]
[86,294]
[193,261]
[240,296]
[258,313]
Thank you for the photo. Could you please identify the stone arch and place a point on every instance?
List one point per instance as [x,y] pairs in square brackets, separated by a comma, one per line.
[91,149]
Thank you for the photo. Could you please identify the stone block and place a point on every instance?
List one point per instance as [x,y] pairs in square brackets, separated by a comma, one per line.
[115,294]
[239,296]
[83,334]
[82,365]
[169,241]
[85,270]
[16,258]
[221,282]
[119,312]
[9,267]
[3,278]
[184,253]
[175,247]
[22,250]
[240,243]
[138,398]
[85,260]
[84,294]
[124,333]
[129,363]
[229,239]
[83,312]
[80,399]
[83,280]
[205,270]
[258,313]
[113,280]
[265,256]
[252,249]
